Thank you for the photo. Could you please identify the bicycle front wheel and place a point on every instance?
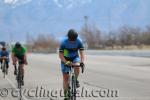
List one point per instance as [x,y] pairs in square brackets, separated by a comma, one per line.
[73,91]
[4,69]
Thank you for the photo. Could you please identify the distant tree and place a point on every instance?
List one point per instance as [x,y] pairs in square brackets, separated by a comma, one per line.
[43,43]
[145,38]
[129,36]
[92,36]
[29,42]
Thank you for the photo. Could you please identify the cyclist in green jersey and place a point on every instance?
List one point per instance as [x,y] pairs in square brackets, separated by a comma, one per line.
[19,54]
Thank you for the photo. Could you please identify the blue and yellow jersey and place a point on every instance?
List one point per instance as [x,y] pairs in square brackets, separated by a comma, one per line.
[69,48]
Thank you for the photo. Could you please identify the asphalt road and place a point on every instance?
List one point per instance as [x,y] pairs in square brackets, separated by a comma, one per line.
[105,78]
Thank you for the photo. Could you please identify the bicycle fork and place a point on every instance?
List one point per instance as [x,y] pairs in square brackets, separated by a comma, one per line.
[72,84]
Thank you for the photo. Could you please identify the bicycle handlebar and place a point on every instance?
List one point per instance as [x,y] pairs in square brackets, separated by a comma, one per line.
[4,58]
[82,67]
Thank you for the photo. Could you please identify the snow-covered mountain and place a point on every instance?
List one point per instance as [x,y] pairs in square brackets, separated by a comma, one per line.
[15,3]
[70,3]
[19,17]
[58,3]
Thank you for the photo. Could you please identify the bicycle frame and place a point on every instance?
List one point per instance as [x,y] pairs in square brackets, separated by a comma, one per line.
[72,82]
[4,67]
[19,76]
[19,79]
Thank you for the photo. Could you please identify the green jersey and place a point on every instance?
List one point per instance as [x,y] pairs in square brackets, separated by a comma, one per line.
[19,52]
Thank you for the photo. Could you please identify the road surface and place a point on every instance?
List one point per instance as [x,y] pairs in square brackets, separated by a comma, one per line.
[105,78]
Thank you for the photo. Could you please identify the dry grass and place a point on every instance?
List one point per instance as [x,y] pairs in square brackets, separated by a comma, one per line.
[131,47]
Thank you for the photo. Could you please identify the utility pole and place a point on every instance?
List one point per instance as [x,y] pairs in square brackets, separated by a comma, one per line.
[86,23]
[109,19]
[85,30]
[10,40]
[110,27]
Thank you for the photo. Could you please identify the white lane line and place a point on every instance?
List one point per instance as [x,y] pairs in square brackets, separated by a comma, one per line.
[12,84]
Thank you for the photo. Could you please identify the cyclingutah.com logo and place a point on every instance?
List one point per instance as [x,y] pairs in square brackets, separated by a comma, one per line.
[41,92]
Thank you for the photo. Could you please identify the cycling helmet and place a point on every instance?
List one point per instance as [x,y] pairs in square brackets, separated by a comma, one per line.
[17,45]
[72,35]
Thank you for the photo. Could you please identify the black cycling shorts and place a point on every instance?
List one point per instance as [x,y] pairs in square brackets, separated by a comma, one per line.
[21,59]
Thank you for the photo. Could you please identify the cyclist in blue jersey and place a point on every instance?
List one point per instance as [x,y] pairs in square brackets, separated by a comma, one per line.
[68,53]
[4,54]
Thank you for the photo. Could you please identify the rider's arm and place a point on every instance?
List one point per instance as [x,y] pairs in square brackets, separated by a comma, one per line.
[61,52]
[61,56]
[25,55]
[12,53]
[82,55]
[12,57]
[81,48]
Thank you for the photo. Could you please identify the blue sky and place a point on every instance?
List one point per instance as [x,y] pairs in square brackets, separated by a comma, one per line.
[18,17]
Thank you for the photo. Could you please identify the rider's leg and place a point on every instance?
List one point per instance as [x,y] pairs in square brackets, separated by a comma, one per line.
[65,83]
[22,70]
[65,71]
[15,71]
[22,62]
[15,67]
[77,70]
[7,66]
[76,61]
[22,73]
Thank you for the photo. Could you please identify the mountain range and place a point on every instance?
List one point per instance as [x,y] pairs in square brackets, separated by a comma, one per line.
[19,17]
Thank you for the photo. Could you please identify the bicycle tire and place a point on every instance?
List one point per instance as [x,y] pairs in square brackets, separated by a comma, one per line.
[19,78]
[73,91]
[4,69]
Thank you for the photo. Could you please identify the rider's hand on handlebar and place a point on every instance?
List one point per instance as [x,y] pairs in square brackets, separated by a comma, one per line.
[4,57]
[68,63]
[14,60]
[82,66]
